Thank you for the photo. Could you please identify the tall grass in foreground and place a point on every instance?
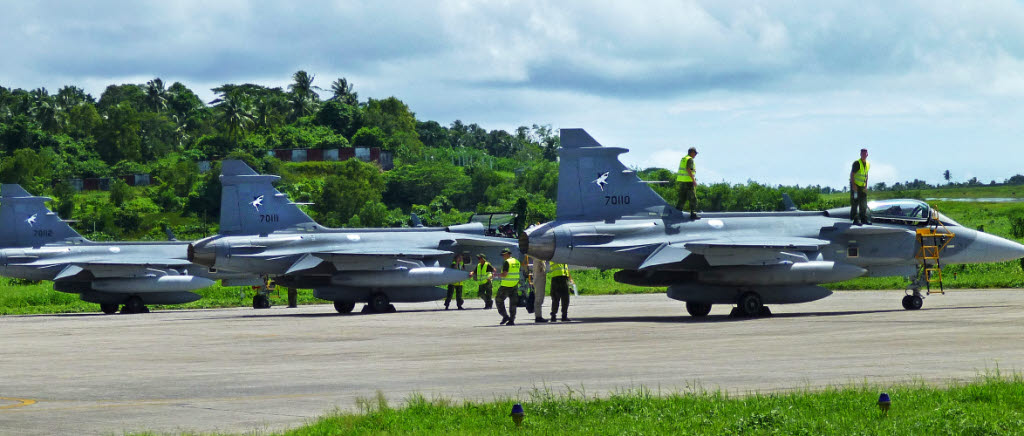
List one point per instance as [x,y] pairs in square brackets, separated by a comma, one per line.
[989,406]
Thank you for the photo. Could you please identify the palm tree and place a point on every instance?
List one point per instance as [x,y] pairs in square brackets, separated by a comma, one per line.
[344,93]
[156,95]
[303,85]
[71,96]
[45,110]
[235,112]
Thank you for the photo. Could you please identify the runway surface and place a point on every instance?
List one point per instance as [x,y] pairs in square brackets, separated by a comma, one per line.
[245,370]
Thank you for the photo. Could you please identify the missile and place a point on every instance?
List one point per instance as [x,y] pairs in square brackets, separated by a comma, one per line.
[422,276]
[790,274]
[152,284]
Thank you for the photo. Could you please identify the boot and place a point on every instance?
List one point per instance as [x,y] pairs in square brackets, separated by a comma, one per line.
[693,216]
[565,318]
[488,305]
[504,320]
[554,317]
[540,319]
[511,322]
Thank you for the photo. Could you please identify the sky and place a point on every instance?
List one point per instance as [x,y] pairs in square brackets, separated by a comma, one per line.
[778,92]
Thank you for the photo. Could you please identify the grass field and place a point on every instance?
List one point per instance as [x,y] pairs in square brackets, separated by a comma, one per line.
[990,405]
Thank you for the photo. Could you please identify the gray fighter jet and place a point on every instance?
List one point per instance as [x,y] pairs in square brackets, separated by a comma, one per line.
[35,244]
[263,232]
[608,218]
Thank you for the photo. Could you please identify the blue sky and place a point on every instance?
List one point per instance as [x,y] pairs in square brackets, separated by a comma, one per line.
[780,92]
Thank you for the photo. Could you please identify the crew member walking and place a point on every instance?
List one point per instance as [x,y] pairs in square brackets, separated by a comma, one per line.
[508,288]
[539,280]
[482,274]
[687,180]
[560,279]
[455,288]
[859,190]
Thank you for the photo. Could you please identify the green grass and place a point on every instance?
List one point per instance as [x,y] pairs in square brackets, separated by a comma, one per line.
[1001,191]
[990,405]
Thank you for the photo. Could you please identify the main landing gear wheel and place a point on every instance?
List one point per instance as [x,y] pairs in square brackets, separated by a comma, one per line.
[134,305]
[261,301]
[380,303]
[913,302]
[698,310]
[344,306]
[109,309]
[750,304]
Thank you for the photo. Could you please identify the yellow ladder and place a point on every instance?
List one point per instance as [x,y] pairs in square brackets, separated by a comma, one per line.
[932,242]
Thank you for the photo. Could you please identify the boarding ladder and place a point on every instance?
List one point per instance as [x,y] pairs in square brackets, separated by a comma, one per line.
[932,239]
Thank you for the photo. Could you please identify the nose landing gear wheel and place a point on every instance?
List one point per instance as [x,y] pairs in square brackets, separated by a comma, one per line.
[913,302]
[109,309]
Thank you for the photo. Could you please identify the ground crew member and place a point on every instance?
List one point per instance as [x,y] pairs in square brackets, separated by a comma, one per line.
[539,279]
[687,180]
[859,190]
[560,279]
[455,288]
[509,287]
[482,274]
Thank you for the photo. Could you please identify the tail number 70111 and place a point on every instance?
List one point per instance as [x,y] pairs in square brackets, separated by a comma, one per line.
[273,218]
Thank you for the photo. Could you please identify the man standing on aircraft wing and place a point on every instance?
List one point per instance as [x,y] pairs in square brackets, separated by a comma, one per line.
[482,274]
[687,179]
[859,189]
[509,287]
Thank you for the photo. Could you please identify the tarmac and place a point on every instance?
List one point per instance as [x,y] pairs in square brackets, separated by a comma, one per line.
[244,370]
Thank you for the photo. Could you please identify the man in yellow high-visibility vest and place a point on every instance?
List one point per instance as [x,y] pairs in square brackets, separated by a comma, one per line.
[455,288]
[560,279]
[687,180]
[482,274]
[859,190]
[509,287]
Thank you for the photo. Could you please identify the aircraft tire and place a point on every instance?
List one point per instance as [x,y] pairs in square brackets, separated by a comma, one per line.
[750,304]
[134,305]
[344,306]
[914,302]
[906,302]
[260,301]
[108,309]
[698,310]
[380,303]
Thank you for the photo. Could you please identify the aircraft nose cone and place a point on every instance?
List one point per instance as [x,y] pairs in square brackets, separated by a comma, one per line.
[984,248]
[538,241]
[202,253]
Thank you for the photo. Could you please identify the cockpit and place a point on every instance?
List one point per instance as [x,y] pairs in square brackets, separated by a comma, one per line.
[899,211]
[906,211]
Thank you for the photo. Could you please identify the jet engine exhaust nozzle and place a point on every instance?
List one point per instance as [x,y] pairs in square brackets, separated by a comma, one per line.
[538,241]
[202,253]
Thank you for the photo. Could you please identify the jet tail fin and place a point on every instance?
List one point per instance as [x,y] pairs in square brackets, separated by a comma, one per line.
[593,184]
[250,205]
[25,221]
[788,202]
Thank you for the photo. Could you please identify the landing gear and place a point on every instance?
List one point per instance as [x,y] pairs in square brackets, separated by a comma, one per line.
[750,304]
[698,310]
[913,302]
[261,301]
[380,303]
[344,306]
[134,305]
[108,309]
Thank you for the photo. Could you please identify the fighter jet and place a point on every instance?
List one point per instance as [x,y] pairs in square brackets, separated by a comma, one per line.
[35,244]
[263,232]
[744,259]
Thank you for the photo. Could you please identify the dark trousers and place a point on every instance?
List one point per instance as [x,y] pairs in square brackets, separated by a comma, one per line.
[859,200]
[687,194]
[484,292]
[513,301]
[457,290]
[560,296]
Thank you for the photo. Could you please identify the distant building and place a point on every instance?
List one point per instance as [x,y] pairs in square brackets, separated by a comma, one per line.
[366,154]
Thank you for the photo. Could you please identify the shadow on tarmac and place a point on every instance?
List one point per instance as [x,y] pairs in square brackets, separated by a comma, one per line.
[685,319]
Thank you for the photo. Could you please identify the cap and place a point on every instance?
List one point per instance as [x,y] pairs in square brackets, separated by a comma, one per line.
[506,250]
[481,255]
[692,150]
